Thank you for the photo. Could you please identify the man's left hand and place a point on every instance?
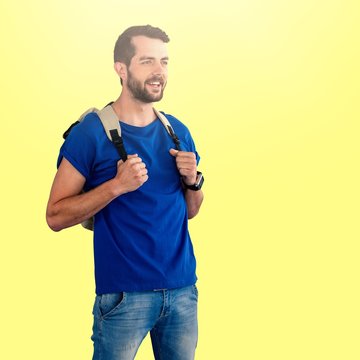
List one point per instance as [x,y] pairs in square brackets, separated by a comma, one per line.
[186,164]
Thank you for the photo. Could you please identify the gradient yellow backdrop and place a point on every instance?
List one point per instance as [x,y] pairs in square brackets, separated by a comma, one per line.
[270,91]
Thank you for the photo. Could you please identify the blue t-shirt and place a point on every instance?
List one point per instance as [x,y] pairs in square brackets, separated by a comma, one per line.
[141,239]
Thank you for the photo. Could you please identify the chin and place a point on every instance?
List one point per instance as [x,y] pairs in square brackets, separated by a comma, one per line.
[158,97]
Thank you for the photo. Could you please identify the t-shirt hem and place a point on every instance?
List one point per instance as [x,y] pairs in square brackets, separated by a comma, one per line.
[74,163]
[132,288]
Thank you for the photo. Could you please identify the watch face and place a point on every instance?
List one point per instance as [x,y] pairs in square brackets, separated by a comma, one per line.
[199,180]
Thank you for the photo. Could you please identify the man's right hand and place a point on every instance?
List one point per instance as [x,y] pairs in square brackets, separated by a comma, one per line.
[131,174]
[67,206]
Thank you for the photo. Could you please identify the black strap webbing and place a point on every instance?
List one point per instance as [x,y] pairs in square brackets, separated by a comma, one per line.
[174,138]
[118,142]
[67,132]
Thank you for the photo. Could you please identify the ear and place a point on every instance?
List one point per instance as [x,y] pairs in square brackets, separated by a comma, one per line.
[120,69]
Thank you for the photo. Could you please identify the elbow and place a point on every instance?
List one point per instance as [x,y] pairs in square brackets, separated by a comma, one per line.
[192,213]
[52,222]
[53,225]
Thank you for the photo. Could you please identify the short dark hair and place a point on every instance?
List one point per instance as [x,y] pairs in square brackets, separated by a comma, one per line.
[124,49]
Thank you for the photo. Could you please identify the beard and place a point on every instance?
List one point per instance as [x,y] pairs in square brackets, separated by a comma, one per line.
[140,92]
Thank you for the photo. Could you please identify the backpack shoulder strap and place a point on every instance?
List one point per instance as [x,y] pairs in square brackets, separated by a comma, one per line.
[168,128]
[88,111]
[109,120]
[112,128]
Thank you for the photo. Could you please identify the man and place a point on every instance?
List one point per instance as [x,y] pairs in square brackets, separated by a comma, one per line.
[144,260]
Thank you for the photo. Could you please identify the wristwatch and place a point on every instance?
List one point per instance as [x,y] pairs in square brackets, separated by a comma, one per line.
[198,184]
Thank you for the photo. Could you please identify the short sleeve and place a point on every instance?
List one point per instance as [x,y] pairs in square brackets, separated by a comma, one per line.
[192,147]
[79,149]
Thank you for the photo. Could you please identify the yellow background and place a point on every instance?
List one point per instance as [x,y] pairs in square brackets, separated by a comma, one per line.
[270,91]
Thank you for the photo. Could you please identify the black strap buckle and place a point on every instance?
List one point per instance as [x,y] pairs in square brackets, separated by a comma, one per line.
[119,144]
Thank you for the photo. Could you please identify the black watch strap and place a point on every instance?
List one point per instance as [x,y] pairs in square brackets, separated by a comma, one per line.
[198,184]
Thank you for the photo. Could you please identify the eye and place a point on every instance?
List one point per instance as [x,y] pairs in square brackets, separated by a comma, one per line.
[146,62]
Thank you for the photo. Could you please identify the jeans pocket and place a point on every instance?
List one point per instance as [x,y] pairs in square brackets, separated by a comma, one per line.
[195,291]
[108,303]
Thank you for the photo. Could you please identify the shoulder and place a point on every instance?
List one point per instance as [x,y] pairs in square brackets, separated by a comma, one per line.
[91,123]
[90,126]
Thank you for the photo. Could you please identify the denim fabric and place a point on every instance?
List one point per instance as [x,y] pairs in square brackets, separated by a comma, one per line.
[121,322]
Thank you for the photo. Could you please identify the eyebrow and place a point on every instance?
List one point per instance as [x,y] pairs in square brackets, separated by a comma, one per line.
[152,58]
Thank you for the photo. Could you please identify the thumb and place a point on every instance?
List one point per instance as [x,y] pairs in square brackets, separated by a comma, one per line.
[133,156]
[173,152]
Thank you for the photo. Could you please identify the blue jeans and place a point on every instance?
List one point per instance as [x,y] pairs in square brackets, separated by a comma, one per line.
[121,322]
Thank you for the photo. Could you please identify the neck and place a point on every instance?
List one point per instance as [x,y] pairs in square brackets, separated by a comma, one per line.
[133,112]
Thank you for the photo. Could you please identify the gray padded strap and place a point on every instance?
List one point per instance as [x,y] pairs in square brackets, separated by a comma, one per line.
[169,129]
[88,111]
[164,120]
[109,120]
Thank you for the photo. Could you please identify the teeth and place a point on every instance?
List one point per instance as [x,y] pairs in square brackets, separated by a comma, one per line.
[154,83]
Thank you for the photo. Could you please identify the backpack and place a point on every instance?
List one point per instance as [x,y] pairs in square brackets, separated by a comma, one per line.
[112,129]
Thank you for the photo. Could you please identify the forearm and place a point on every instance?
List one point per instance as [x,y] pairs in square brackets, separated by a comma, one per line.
[194,200]
[78,208]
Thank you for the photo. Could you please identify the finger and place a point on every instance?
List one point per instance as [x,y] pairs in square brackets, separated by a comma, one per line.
[130,157]
[173,152]
[134,160]
[143,178]
[186,172]
[187,164]
[139,167]
[186,155]
[186,159]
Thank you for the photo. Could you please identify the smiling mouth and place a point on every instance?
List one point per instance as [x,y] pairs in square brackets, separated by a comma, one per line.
[154,84]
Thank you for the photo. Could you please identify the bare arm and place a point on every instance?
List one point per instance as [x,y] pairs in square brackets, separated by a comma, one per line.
[67,206]
[186,163]
[194,200]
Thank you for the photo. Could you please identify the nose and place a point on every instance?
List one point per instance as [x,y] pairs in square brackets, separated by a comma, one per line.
[159,69]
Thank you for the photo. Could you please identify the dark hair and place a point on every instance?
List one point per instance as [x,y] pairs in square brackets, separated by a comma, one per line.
[124,49]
